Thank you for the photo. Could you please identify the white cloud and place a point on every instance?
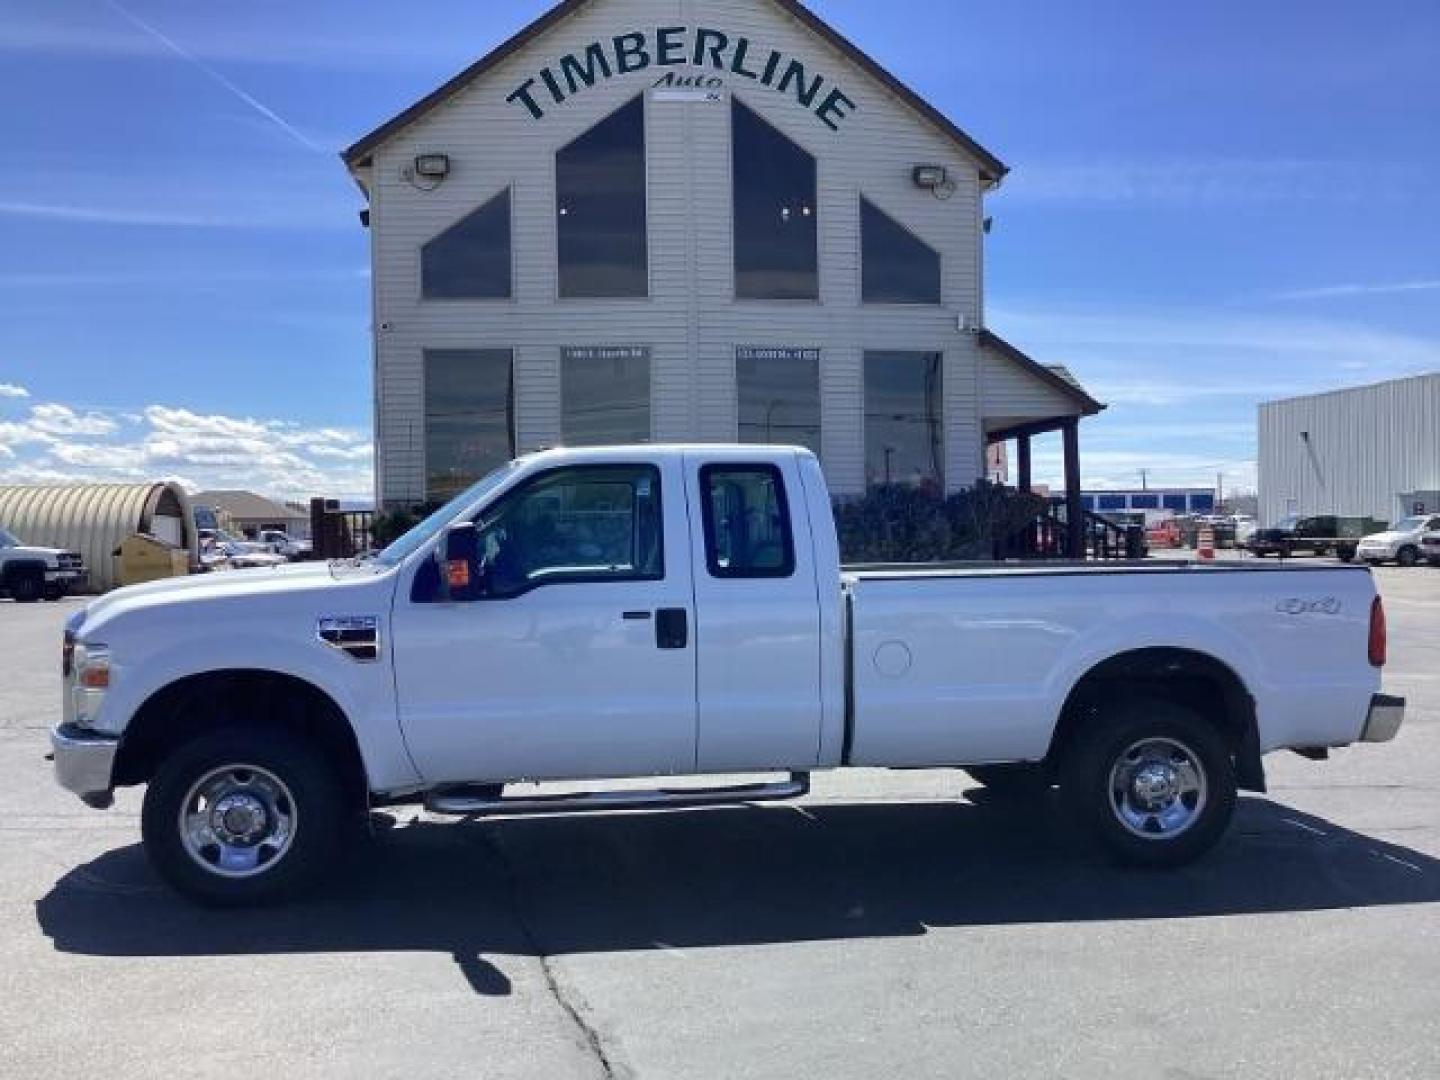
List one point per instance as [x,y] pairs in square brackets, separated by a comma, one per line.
[210,450]
[1186,182]
[54,419]
[10,390]
[1330,292]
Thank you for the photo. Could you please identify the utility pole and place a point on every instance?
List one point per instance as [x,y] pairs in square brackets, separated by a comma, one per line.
[1144,479]
[1219,492]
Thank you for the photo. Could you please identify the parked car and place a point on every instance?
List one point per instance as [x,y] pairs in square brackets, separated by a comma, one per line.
[232,556]
[214,538]
[1321,535]
[1430,548]
[601,613]
[1400,543]
[281,543]
[29,573]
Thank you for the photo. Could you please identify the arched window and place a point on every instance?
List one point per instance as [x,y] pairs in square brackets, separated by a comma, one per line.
[897,266]
[600,208]
[471,259]
[776,253]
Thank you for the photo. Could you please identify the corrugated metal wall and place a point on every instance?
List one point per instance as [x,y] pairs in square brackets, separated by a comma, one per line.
[91,519]
[691,320]
[1351,451]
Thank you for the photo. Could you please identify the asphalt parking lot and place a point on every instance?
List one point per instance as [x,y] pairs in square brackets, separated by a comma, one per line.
[886,926]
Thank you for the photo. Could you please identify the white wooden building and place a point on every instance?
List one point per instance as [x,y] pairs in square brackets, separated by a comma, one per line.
[682,220]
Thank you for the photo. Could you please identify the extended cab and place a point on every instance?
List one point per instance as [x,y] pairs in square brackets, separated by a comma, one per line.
[588,615]
[30,573]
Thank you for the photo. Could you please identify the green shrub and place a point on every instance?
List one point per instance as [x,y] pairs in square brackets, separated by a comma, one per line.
[897,523]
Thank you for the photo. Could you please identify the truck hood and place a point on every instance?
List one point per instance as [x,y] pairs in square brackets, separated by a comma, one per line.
[220,585]
[1388,537]
[25,551]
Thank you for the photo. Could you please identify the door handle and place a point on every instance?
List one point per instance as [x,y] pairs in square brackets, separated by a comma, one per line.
[672,628]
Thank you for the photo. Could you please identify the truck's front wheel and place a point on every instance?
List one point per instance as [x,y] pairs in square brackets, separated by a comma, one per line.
[1153,781]
[243,816]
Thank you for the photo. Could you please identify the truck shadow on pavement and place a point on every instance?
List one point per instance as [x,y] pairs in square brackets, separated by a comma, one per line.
[695,879]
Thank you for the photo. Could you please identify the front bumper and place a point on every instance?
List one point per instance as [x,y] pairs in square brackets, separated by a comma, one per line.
[1383,721]
[84,762]
[1379,554]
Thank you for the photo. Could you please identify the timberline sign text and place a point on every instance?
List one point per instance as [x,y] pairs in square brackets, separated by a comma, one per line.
[678,46]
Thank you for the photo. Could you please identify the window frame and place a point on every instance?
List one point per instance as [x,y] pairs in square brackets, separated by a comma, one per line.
[939,300]
[519,490]
[707,512]
[509,298]
[649,294]
[736,101]
[510,410]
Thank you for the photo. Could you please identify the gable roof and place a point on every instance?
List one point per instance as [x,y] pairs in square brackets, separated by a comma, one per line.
[992,169]
[1056,376]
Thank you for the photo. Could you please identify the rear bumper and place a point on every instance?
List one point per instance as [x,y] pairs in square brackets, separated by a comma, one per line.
[1383,721]
[84,762]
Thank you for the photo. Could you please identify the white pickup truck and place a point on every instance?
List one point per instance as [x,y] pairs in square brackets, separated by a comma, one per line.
[590,615]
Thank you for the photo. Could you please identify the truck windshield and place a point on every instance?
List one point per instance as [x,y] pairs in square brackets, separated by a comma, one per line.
[1288,524]
[417,537]
[7,539]
[1410,524]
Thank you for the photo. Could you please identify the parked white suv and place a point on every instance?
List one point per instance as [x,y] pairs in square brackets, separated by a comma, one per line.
[1400,543]
[1430,547]
[30,573]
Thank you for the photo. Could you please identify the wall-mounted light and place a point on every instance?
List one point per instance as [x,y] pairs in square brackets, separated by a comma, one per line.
[929,177]
[432,166]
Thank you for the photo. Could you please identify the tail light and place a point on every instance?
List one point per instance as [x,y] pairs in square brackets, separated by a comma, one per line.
[1378,637]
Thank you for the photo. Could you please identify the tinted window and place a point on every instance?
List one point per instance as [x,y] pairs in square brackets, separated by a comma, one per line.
[600,207]
[896,266]
[472,257]
[747,522]
[605,401]
[469,428]
[903,441]
[1174,502]
[1112,502]
[1202,502]
[779,399]
[775,212]
[1145,502]
[588,523]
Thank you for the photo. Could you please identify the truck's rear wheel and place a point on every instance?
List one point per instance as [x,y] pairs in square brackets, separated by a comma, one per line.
[243,816]
[1407,556]
[1153,781]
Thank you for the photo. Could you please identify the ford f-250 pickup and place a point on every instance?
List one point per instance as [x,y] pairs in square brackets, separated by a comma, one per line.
[591,615]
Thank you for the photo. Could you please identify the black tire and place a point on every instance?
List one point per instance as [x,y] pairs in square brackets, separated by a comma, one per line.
[54,592]
[1407,556]
[1345,554]
[26,586]
[1013,780]
[313,800]
[1434,562]
[1099,754]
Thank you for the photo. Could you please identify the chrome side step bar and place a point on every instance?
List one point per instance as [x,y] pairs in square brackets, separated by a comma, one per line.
[456,802]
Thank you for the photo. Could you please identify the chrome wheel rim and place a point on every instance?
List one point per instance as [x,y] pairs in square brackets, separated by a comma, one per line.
[1157,788]
[238,821]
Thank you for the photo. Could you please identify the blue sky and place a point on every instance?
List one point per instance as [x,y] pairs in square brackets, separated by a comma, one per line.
[1211,204]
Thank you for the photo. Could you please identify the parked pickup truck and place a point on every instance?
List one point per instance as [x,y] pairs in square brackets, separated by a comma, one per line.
[588,615]
[30,573]
[1317,535]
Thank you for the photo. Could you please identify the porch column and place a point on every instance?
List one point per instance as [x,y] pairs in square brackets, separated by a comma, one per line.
[1074,512]
[1022,464]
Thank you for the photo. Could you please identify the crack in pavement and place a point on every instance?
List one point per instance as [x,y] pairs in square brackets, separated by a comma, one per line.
[570,1001]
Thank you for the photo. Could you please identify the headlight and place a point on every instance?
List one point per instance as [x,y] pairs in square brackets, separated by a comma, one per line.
[91,665]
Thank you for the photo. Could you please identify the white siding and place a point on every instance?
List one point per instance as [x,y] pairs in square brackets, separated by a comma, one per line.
[1366,447]
[691,320]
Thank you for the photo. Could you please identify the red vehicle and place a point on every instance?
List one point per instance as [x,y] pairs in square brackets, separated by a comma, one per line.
[1163,534]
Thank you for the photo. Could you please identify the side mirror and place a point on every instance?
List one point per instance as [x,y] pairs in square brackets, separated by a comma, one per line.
[459,557]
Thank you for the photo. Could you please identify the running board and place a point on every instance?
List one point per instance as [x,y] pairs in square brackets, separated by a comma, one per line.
[457,803]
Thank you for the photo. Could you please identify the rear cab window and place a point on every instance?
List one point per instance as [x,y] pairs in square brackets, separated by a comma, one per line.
[747,522]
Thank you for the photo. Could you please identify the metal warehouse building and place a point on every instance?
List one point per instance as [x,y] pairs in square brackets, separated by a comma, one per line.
[677,220]
[1371,450]
[94,518]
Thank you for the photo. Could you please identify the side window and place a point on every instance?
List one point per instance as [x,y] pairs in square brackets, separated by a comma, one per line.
[470,259]
[588,523]
[747,522]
